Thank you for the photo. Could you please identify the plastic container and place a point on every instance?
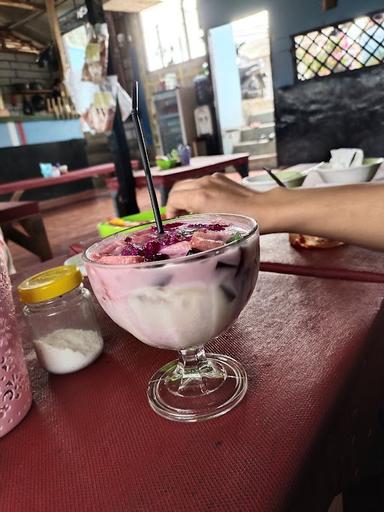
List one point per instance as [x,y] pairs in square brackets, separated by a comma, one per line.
[106,229]
[60,314]
[15,390]
[185,154]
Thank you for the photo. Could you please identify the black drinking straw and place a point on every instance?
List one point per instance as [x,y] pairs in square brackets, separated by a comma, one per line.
[274,177]
[144,156]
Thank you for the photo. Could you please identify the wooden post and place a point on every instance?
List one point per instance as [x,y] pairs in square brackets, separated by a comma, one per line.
[56,35]
[329,4]
[126,203]
[114,53]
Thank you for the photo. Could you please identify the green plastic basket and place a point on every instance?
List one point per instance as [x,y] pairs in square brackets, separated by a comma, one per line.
[106,229]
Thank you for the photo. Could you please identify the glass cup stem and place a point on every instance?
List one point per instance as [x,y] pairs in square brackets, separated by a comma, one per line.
[195,374]
[197,386]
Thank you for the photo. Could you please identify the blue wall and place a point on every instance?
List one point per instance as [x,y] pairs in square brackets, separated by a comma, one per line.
[41,132]
[226,79]
[287,17]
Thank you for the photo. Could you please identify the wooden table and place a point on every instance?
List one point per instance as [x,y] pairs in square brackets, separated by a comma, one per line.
[200,166]
[344,262]
[307,428]
[17,188]
[34,237]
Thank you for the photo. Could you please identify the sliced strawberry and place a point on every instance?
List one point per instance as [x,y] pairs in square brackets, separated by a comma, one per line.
[142,237]
[202,241]
[212,235]
[113,248]
[121,260]
[176,250]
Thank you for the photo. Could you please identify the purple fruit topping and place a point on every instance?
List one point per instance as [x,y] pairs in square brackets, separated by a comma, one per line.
[179,239]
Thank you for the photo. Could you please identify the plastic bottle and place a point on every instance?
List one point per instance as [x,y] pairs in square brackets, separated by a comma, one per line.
[15,390]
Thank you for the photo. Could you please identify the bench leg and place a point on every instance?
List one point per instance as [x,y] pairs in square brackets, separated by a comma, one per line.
[243,169]
[16,196]
[35,228]
[164,191]
[35,241]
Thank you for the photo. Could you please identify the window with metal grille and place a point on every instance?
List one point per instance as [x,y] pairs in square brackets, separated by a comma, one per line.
[345,46]
[171,33]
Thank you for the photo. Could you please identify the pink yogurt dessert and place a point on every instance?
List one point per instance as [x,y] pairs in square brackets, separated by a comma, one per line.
[179,289]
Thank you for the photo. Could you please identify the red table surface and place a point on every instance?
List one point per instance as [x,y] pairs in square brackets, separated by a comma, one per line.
[344,262]
[91,442]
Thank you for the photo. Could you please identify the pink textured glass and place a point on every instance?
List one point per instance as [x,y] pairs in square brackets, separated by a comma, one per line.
[15,391]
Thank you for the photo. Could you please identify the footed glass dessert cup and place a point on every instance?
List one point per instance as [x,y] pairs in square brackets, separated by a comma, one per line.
[180,303]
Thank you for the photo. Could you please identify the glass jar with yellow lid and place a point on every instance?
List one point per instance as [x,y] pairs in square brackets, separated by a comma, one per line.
[62,319]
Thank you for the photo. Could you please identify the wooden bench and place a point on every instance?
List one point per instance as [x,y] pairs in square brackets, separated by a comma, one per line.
[17,188]
[27,214]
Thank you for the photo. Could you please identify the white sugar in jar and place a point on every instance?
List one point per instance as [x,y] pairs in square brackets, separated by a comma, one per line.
[68,350]
[62,319]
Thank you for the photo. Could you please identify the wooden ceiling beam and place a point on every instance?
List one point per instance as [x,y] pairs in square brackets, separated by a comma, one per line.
[28,38]
[19,4]
[25,20]
[132,6]
[11,42]
[56,35]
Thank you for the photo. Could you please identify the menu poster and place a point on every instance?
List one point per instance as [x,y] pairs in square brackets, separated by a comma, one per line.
[96,53]
[92,91]
[101,109]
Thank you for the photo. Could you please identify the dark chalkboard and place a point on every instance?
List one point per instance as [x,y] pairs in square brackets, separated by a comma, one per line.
[344,110]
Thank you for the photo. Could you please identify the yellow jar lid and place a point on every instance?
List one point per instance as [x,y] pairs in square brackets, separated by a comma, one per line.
[49,284]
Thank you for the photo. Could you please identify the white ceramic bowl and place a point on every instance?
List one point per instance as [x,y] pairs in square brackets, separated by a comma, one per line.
[78,261]
[262,182]
[359,174]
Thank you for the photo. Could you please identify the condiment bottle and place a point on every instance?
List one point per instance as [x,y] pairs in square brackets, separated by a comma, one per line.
[61,316]
[184,154]
[15,391]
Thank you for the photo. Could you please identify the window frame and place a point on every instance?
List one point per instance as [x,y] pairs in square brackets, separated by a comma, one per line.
[334,25]
[188,46]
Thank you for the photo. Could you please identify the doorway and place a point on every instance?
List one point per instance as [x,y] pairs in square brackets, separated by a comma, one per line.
[242,81]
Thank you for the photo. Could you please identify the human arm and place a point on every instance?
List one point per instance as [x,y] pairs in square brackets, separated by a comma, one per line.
[350,213]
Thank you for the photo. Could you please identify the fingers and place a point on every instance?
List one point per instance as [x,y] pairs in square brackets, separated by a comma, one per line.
[191,195]
[220,176]
[179,202]
[210,193]
[174,212]
[186,185]
[184,195]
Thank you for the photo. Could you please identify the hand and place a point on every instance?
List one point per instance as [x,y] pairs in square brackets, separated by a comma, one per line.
[211,194]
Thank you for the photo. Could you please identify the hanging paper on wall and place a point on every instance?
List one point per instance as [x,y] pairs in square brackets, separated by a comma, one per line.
[96,53]
[100,113]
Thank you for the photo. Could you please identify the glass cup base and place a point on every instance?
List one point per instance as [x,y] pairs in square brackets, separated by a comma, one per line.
[209,391]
